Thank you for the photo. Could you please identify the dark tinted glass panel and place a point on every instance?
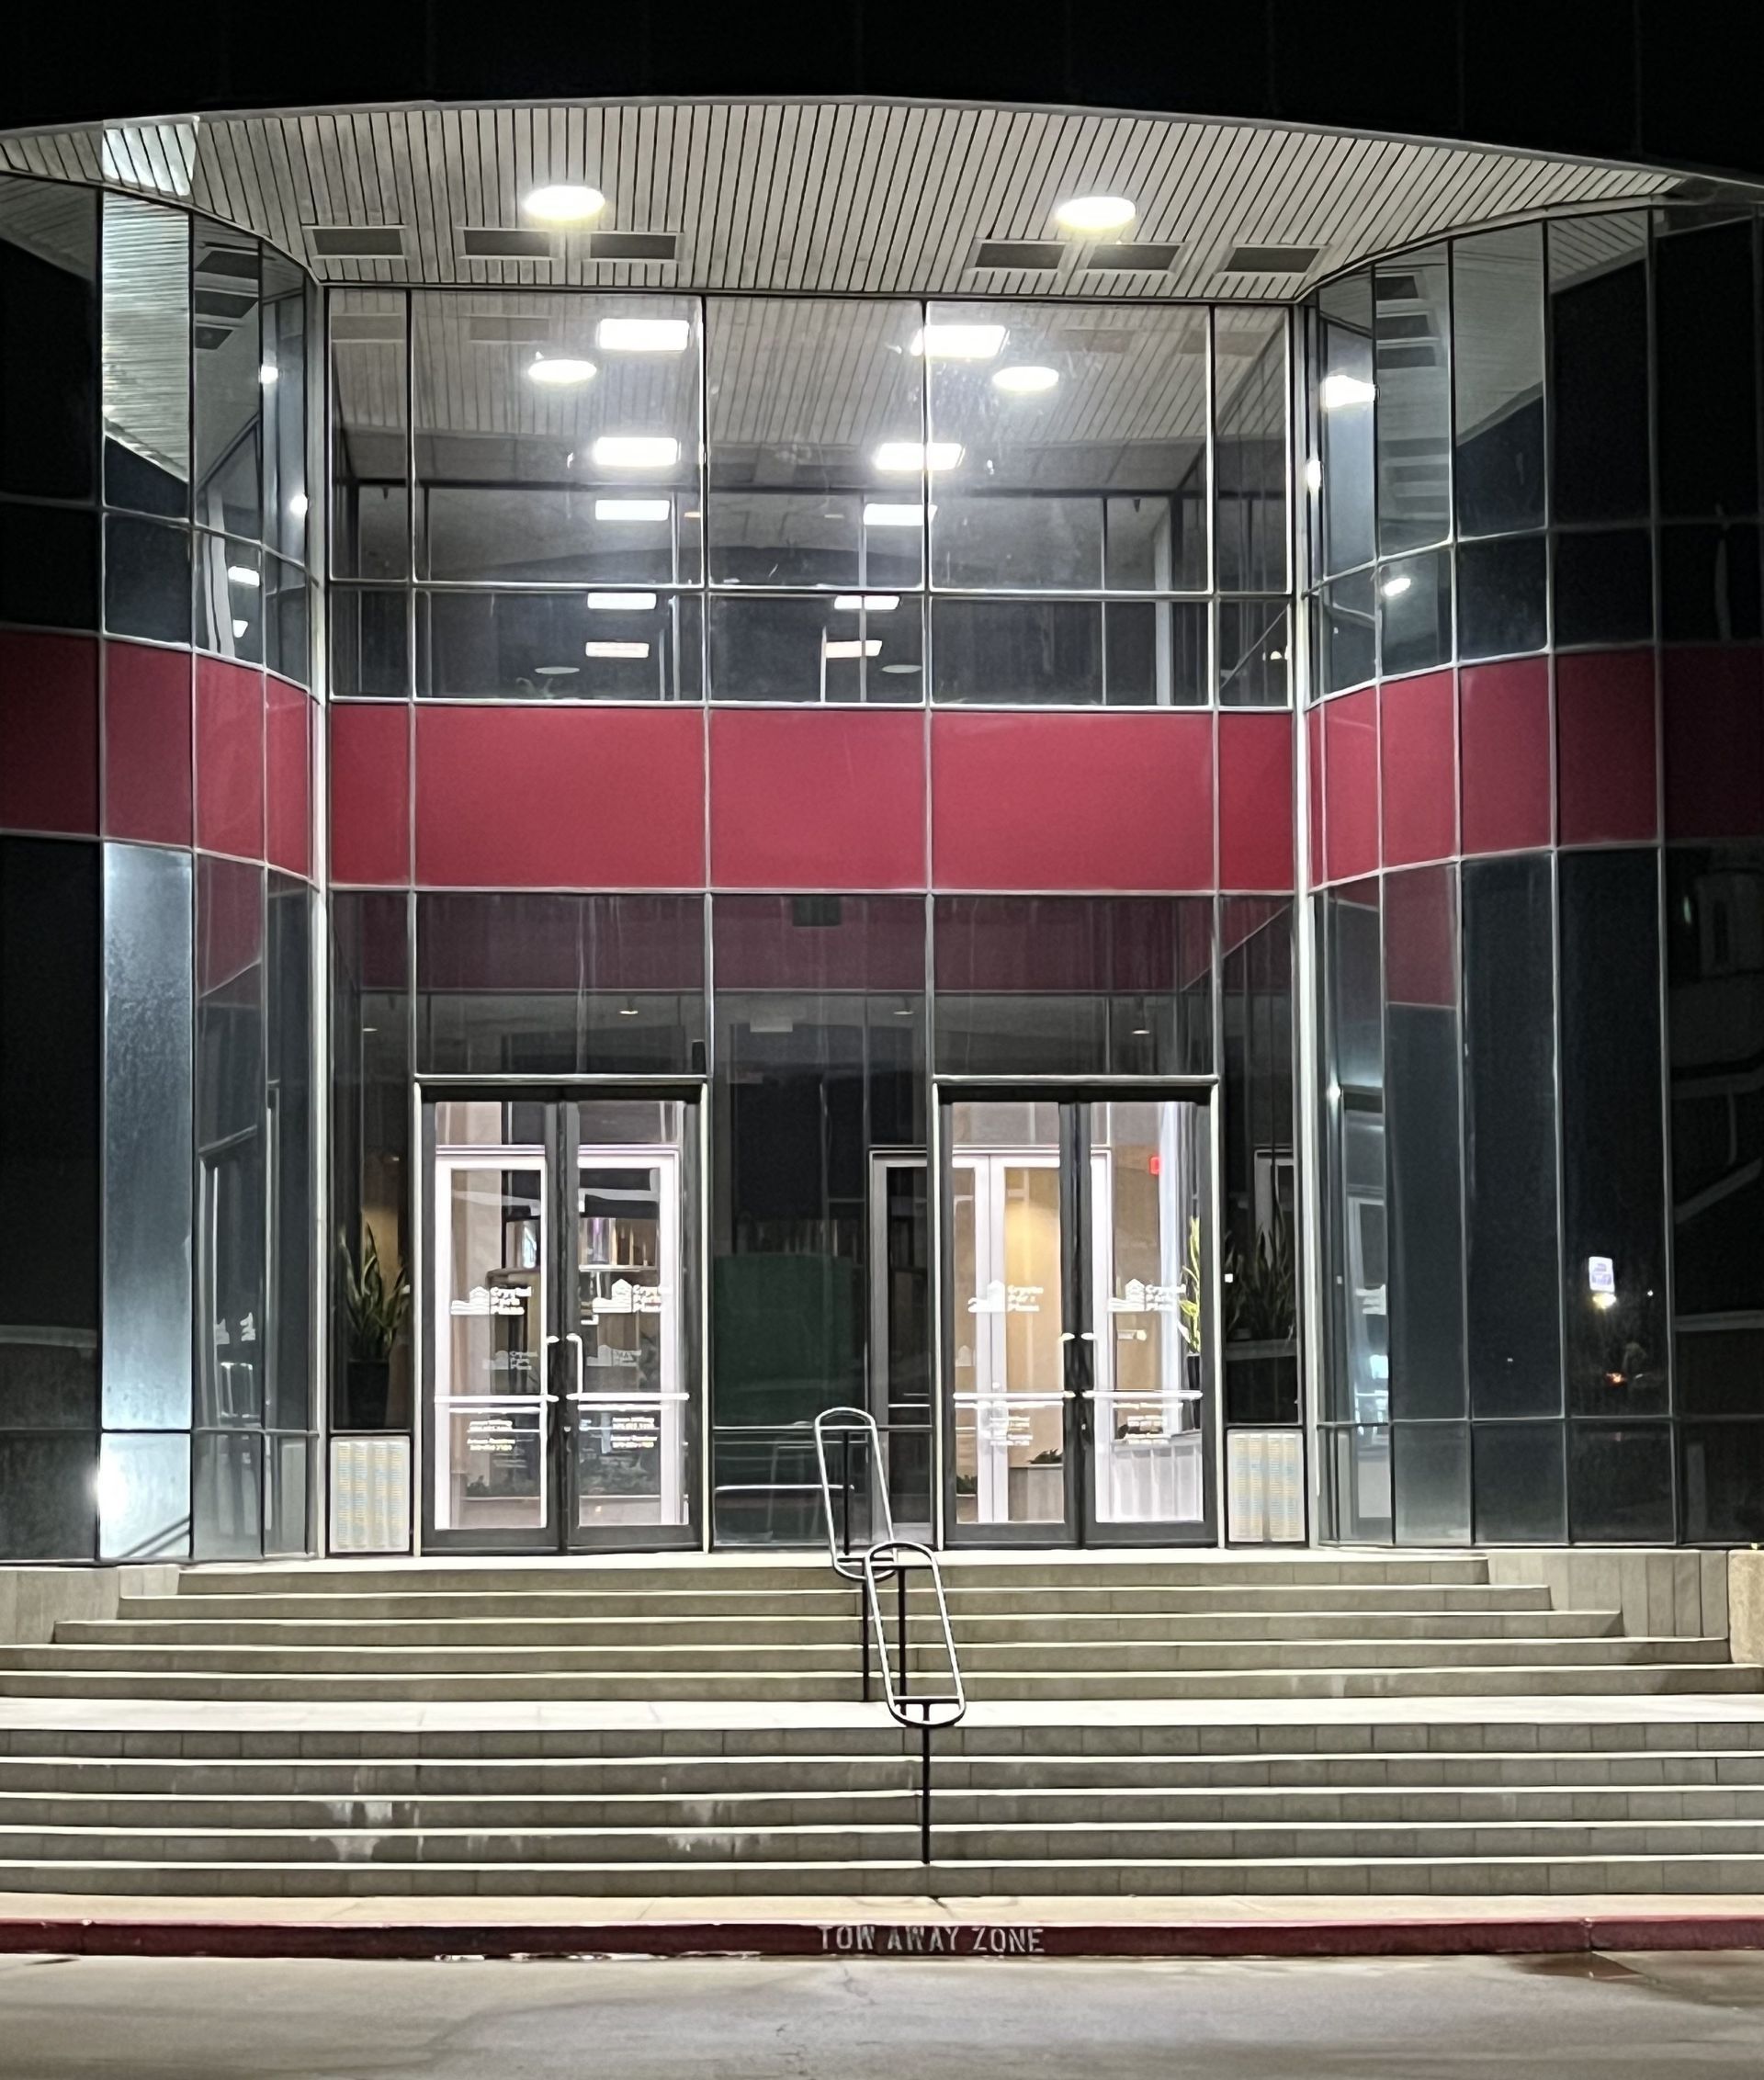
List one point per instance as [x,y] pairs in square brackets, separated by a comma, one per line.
[1599,345]
[1720,1369]
[1613,1182]
[624,646]
[144,1499]
[1073,986]
[844,646]
[1347,632]
[1359,1269]
[227,1484]
[1620,1484]
[1356,1480]
[1517,1469]
[1705,340]
[229,598]
[1017,650]
[1500,596]
[147,580]
[1709,584]
[47,1489]
[369,1044]
[541,984]
[1722,1482]
[370,643]
[146,357]
[292,1168]
[765,1486]
[1414,614]
[1497,320]
[50,1079]
[49,566]
[1431,1468]
[1412,365]
[1426,1305]
[282,387]
[1604,588]
[1344,423]
[1261,1172]
[48,340]
[288,1468]
[286,648]
[1249,388]
[1255,653]
[370,504]
[1514,1309]
[225,303]
[1715,982]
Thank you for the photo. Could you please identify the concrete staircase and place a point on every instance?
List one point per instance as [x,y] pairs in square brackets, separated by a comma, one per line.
[1470,1768]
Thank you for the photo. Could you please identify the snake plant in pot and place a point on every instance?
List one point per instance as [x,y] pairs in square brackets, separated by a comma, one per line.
[375,1310]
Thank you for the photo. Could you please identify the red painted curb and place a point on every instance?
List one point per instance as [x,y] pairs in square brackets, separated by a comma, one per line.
[1492,1935]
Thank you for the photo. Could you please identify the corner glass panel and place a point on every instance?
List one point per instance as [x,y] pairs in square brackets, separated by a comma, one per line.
[1517,1471]
[144,1499]
[1498,370]
[1343,402]
[1500,597]
[1347,633]
[293,1168]
[227,1483]
[48,434]
[1599,403]
[370,428]
[1604,588]
[225,300]
[146,579]
[1414,614]
[1412,365]
[1249,442]
[370,643]
[146,357]
[1255,653]
[1358,1220]
[148,1126]
[1260,1198]
[282,388]
[229,598]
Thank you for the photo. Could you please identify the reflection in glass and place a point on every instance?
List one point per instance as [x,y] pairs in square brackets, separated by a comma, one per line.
[1709,584]
[146,357]
[1412,366]
[227,1484]
[1070,652]
[370,506]
[229,598]
[370,642]
[1347,632]
[854,646]
[287,648]
[282,383]
[1343,404]
[1414,614]
[1250,441]
[49,435]
[229,1112]
[1255,653]
[1620,1484]
[1599,405]
[1430,1468]
[148,1042]
[1516,1469]
[46,1485]
[1500,596]
[143,1488]
[1497,367]
[229,360]
[1705,339]
[1356,1227]
[293,1171]
[622,646]
[146,579]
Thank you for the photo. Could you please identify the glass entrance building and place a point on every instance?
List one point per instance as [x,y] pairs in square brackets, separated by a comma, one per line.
[1094,781]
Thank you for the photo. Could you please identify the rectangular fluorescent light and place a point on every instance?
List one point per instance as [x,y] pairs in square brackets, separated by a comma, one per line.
[643,335]
[877,603]
[620,602]
[615,650]
[916,455]
[869,648]
[1336,392]
[240,574]
[880,514]
[960,343]
[636,451]
[632,508]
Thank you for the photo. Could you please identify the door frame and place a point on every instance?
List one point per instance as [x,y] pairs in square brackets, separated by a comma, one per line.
[1078,1526]
[694,1243]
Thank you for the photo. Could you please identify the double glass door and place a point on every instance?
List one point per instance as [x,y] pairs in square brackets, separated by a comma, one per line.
[1078,1335]
[560,1338]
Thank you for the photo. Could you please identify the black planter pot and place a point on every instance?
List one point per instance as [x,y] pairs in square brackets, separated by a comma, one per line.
[369,1381]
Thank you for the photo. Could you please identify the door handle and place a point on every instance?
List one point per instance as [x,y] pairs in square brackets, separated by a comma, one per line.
[575,1337]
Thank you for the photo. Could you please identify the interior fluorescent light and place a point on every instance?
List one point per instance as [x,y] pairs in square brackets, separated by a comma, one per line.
[1025,379]
[239,629]
[880,514]
[1095,213]
[615,650]
[564,202]
[620,602]
[960,343]
[555,671]
[1313,474]
[297,505]
[631,508]
[643,335]
[636,451]
[877,603]
[559,371]
[869,648]
[916,455]
[1394,588]
[242,574]
[267,373]
[1337,390]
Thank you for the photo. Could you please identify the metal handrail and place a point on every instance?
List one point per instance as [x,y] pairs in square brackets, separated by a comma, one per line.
[846,1423]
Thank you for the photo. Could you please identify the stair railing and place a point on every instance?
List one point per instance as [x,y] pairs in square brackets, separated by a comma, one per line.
[871,1561]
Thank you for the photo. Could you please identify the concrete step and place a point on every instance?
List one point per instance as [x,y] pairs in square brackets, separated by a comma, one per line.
[972,1629]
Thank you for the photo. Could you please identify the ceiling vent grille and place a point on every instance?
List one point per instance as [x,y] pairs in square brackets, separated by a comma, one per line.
[634,246]
[496,242]
[1132,258]
[1018,255]
[1270,259]
[357,241]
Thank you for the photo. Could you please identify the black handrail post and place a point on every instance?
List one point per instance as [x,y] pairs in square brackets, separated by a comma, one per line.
[924,1789]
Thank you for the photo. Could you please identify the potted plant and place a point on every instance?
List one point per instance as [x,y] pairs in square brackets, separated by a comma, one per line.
[1260,1318]
[376,1313]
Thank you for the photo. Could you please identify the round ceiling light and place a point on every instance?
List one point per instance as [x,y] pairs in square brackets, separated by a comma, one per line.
[559,373]
[1025,379]
[564,203]
[1095,213]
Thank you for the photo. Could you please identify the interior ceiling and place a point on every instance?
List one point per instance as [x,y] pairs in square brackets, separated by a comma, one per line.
[876,198]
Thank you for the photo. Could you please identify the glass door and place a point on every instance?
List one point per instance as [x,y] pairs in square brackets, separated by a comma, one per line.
[561,1337]
[1077,1318]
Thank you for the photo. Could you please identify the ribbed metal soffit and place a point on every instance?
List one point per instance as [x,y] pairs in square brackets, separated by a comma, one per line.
[874,198]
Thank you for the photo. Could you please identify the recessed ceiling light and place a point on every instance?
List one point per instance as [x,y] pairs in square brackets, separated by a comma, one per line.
[832,648]
[556,670]
[1313,474]
[917,455]
[615,650]
[243,574]
[1025,379]
[1337,390]
[959,342]
[880,514]
[238,628]
[632,508]
[1394,588]
[637,451]
[564,203]
[912,668]
[267,373]
[620,602]
[643,335]
[877,603]
[557,372]
[1095,213]
[297,505]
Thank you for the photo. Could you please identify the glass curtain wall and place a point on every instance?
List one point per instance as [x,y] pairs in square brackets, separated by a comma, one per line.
[589,496]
